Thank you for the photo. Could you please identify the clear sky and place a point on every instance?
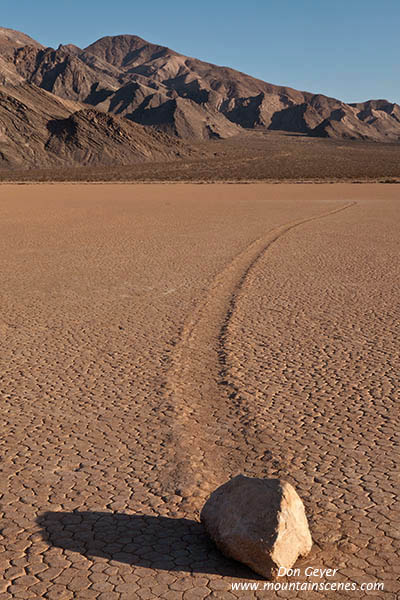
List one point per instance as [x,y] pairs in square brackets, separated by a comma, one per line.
[349,49]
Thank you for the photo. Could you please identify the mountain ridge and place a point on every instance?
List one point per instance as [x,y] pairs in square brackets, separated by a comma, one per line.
[160,89]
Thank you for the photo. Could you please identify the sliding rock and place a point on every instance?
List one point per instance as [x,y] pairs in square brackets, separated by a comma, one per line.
[259,522]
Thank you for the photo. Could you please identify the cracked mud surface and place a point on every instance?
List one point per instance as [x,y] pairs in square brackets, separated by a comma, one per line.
[156,340]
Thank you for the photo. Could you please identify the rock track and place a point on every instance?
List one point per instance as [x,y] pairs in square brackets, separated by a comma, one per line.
[211,417]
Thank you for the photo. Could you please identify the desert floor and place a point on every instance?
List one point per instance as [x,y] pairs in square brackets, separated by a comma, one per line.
[156,340]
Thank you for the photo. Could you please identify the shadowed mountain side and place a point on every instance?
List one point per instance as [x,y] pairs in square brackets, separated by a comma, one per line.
[183,118]
[62,72]
[149,541]
[361,122]
[156,86]
[37,129]
[89,137]
[186,119]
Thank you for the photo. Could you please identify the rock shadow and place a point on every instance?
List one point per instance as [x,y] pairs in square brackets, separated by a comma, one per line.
[148,541]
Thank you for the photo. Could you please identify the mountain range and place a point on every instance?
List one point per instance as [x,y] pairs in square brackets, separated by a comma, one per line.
[122,100]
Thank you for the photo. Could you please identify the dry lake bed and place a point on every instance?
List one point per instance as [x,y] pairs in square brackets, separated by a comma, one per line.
[158,339]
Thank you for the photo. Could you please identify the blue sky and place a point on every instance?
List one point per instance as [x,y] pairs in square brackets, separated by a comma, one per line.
[346,49]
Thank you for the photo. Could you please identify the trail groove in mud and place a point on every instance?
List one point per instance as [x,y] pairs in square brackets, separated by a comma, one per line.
[208,412]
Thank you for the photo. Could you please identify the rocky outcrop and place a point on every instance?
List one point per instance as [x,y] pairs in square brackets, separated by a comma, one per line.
[259,522]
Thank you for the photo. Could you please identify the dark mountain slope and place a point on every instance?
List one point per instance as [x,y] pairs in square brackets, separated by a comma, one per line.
[37,129]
